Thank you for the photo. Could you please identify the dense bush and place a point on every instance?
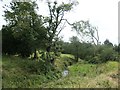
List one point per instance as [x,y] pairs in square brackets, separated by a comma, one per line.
[107,54]
[104,54]
[95,59]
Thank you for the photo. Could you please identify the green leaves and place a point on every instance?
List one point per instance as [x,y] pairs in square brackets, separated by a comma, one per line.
[26,26]
[86,31]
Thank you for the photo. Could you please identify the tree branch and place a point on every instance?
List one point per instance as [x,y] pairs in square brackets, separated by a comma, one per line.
[67,21]
[61,29]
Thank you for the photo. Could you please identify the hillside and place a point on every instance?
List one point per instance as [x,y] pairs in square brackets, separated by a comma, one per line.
[19,72]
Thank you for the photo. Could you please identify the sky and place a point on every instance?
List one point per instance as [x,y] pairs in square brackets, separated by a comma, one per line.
[100,13]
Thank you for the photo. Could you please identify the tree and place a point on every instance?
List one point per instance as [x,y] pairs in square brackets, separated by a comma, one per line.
[75,42]
[74,39]
[79,49]
[108,54]
[25,26]
[9,43]
[54,22]
[108,43]
[86,31]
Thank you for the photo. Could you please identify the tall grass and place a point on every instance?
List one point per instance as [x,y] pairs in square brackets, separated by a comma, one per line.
[88,76]
[25,73]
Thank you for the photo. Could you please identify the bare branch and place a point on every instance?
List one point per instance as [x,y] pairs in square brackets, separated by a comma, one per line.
[67,22]
[61,29]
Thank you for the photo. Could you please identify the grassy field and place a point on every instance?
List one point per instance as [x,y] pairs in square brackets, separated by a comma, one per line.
[16,72]
[89,76]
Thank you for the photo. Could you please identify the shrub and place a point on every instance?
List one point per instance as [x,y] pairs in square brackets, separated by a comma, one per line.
[95,59]
[108,54]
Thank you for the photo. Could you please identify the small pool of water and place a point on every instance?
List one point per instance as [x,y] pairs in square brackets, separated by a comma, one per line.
[65,73]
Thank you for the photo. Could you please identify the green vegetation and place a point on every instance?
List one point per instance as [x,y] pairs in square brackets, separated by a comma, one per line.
[18,72]
[23,73]
[35,56]
[88,76]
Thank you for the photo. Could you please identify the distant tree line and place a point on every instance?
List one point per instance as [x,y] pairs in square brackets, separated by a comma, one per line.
[85,51]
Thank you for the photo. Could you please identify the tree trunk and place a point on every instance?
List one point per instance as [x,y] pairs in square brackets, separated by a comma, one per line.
[77,53]
[49,57]
[35,54]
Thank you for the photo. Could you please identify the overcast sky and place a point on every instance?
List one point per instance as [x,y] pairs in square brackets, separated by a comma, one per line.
[100,13]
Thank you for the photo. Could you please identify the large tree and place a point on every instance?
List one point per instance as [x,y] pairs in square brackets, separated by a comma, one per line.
[88,33]
[25,26]
[55,22]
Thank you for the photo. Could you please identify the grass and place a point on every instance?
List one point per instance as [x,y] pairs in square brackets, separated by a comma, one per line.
[64,61]
[67,55]
[18,72]
[88,76]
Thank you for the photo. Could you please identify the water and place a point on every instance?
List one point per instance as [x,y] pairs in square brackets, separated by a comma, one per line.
[65,73]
